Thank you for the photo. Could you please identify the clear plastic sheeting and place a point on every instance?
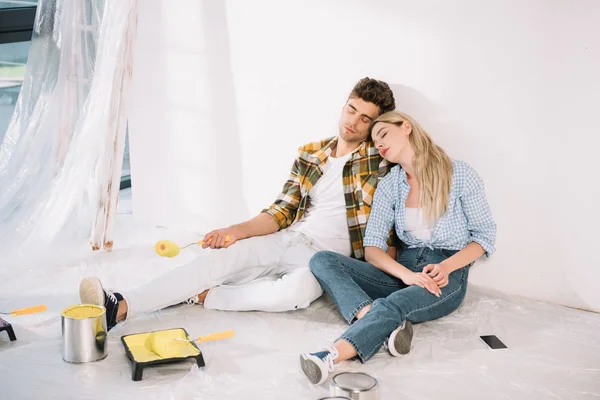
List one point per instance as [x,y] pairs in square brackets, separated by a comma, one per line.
[52,158]
[553,351]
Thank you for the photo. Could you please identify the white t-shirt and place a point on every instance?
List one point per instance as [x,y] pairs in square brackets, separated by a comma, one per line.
[325,220]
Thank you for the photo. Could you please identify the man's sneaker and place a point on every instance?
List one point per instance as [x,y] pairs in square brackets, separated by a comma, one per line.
[399,341]
[316,366]
[193,300]
[92,292]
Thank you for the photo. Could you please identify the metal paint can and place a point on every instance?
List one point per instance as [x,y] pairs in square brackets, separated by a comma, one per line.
[84,333]
[355,386]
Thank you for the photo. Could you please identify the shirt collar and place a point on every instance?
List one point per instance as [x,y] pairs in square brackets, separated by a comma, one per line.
[322,154]
[402,174]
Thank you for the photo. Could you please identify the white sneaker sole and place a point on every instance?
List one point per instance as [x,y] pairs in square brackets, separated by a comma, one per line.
[91,291]
[314,368]
[400,340]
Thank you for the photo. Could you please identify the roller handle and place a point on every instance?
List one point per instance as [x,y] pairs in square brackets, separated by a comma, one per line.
[215,336]
[29,310]
[227,239]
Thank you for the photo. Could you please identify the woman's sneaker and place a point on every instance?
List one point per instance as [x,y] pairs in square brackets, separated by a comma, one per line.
[400,339]
[317,366]
[92,292]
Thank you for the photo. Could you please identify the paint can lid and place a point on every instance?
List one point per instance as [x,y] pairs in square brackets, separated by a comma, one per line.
[354,381]
[335,398]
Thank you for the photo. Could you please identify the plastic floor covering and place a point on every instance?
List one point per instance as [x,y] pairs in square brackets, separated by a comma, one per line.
[553,351]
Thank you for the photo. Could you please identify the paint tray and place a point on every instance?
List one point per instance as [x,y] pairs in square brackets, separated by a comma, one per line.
[5,326]
[141,356]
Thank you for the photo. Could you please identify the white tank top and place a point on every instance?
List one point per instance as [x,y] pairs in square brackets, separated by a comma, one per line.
[416,225]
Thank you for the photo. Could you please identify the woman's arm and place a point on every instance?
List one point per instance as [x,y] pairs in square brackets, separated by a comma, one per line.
[480,225]
[381,218]
[377,233]
[463,258]
[381,260]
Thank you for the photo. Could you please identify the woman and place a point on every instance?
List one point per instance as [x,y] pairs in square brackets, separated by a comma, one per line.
[441,215]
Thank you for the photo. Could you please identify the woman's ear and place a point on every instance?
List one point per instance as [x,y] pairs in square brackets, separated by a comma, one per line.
[407,128]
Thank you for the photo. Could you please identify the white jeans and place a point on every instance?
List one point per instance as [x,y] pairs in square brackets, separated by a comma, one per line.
[235,273]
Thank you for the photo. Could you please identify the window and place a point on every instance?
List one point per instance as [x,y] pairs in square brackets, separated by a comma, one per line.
[13,57]
[16,28]
[17,3]
[125,173]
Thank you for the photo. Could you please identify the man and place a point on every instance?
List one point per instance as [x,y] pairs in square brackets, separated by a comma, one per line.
[324,205]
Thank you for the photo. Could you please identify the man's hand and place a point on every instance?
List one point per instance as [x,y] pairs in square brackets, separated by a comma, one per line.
[217,239]
[438,273]
[422,280]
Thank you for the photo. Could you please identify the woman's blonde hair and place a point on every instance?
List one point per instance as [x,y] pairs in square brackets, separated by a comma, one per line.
[433,167]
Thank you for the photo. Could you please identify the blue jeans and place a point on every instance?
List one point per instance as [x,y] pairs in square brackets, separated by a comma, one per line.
[353,284]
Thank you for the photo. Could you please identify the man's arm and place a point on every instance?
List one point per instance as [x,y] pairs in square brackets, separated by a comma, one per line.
[279,215]
[285,207]
[262,224]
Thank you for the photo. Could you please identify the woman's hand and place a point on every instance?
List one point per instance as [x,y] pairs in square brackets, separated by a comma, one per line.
[437,272]
[422,280]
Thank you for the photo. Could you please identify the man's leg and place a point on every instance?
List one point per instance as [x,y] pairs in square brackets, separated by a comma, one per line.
[295,288]
[246,260]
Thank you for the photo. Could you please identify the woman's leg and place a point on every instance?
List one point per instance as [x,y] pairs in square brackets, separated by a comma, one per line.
[389,318]
[351,284]
[413,304]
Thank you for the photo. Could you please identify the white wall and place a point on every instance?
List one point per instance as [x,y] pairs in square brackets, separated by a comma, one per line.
[184,135]
[508,85]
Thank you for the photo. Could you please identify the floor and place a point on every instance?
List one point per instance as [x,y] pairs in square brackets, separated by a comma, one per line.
[553,351]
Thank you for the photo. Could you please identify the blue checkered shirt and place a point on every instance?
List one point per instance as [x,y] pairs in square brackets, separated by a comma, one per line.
[467,219]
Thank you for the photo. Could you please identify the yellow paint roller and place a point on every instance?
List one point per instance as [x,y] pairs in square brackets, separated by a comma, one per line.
[27,310]
[166,346]
[166,248]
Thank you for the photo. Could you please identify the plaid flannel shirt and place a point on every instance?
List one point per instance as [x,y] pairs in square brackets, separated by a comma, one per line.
[360,175]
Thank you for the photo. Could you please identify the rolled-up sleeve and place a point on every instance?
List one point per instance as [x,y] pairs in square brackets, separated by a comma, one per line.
[286,205]
[382,214]
[480,224]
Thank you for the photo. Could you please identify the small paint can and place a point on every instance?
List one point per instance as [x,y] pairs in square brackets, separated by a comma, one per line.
[84,333]
[355,386]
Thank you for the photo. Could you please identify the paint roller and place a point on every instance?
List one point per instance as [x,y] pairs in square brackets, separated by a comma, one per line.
[26,310]
[169,347]
[166,248]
